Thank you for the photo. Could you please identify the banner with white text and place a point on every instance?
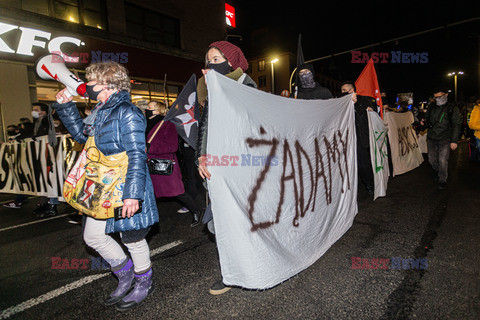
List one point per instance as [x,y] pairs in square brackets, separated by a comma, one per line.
[284,180]
[34,167]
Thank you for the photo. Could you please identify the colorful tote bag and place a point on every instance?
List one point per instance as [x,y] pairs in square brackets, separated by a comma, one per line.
[95,184]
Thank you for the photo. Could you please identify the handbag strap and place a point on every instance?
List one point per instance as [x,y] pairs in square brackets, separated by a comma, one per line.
[156,130]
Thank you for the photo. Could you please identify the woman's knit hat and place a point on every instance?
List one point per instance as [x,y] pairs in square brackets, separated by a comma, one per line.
[233,54]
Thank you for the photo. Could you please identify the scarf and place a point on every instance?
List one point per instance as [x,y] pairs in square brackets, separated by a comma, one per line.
[89,121]
[202,92]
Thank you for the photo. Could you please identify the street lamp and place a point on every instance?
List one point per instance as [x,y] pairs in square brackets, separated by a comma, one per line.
[455,74]
[273,75]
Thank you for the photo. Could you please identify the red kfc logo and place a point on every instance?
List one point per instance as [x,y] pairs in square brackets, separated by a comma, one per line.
[230,15]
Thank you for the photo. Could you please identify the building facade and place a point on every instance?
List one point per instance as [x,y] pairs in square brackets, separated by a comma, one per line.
[154,40]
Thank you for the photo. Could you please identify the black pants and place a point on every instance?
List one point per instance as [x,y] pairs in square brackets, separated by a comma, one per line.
[364,163]
[438,153]
[190,172]
[187,201]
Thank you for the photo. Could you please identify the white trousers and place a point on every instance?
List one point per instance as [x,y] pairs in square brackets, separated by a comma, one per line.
[110,250]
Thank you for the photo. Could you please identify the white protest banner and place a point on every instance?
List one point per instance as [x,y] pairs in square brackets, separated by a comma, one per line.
[403,140]
[422,141]
[34,167]
[378,153]
[284,180]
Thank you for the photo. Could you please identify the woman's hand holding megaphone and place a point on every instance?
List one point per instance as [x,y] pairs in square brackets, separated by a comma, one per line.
[63,96]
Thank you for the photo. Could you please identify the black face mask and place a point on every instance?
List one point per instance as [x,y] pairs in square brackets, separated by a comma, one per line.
[11,132]
[93,95]
[222,68]
[306,80]
[342,94]
[148,113]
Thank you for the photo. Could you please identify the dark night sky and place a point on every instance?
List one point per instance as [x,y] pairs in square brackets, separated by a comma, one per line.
[337,26]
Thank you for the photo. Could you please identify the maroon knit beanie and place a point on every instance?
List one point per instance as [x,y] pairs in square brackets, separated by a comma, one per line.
[233,54]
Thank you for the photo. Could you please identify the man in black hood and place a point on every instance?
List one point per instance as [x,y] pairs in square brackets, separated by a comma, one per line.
[308,88]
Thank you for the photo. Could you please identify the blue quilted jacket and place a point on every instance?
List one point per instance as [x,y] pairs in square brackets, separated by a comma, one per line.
[119,126]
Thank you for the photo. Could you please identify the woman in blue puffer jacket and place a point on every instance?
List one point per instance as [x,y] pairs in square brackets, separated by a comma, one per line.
[117,126]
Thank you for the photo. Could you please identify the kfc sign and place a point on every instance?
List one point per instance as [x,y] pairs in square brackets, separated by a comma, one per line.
[230,15]
[30,38]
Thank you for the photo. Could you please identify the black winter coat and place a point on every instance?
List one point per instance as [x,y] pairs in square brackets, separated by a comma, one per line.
[318,92]
[361,119]
[445,122]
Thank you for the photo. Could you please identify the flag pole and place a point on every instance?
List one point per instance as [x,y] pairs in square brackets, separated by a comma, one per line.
[165,100]
[4,130]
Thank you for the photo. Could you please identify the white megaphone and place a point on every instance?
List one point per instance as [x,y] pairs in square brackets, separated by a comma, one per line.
[52,67]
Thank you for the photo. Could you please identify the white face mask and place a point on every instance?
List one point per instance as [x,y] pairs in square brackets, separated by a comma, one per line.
[35,114]
[441,100]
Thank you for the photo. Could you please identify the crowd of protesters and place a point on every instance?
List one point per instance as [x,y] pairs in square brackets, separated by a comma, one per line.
[147,135]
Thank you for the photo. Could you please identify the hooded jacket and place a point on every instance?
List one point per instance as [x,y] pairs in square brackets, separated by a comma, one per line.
[315,93]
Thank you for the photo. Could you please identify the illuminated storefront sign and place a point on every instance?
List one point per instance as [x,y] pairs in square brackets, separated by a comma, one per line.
[30,38]
[230,15]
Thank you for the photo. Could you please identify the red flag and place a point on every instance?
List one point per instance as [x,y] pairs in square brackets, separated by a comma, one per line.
[367,84]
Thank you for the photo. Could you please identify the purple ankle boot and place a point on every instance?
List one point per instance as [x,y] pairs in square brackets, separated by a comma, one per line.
[125,278]
[143,288]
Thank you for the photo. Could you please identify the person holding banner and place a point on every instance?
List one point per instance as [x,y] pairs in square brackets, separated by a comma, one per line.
[116,127]
[362,105]
[26,127]
[40,120]
[228,60]
[14,133]
[308,88]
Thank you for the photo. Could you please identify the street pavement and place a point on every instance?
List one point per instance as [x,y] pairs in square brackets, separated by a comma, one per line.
[439,229]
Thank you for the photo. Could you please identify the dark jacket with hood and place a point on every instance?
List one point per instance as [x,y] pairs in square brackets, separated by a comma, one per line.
[317,92]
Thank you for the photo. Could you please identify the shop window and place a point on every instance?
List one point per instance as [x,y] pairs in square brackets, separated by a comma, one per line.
[91,13]
[146,90]
[262,82]
[152,26]
[66,11]
[37,6]
[261,65]
[93,19]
